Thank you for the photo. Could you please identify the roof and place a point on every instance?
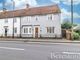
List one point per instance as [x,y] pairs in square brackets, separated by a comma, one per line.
[77,27]
[31,11]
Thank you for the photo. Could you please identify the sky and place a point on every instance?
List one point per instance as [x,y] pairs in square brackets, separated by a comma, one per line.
[65,7]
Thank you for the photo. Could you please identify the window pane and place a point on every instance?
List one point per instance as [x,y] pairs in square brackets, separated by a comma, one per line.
[15,30]
[50,29]
[6,20]
[53,30]
[30,30]
[26,30]
[47,30]
[15,20]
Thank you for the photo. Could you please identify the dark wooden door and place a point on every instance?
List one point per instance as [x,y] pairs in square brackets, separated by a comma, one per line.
[36,32]
[6,30]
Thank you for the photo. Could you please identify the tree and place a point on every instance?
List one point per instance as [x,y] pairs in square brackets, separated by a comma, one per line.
[66,25]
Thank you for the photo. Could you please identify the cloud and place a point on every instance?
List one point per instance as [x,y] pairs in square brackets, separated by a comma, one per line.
[56,1]
[67,2]
[19,4]
[1,10]
[76,15]
[67,15]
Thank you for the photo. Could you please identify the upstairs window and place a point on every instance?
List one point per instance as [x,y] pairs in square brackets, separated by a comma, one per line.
[15,20]
[6,20]
[36,18]
[50,17]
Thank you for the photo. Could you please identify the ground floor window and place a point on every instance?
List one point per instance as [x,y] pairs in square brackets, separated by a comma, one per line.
[15,30]
[27,30]
[30,30]
[50,29]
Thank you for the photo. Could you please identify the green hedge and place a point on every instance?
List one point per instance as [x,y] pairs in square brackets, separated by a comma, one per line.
[76,36]
[78,31]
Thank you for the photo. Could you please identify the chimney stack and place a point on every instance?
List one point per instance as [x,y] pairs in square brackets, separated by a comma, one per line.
[27,5]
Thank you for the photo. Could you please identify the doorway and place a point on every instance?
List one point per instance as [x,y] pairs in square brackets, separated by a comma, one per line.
[6,31]
[36,32]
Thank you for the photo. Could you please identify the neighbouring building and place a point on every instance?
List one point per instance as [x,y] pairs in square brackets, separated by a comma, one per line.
[36,22]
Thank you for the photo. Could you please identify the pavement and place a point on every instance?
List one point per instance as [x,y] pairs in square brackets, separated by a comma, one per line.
[40,40]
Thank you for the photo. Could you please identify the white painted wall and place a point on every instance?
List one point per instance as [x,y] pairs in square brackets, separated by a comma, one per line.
[17,24]
[10,26]
[44,21]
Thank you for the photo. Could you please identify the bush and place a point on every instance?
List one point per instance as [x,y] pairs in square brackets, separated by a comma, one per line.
[76,36]
[78,31]
[66,25]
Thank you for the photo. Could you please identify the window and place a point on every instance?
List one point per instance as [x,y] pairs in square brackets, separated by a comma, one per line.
[15,30]
[50,17]
[6,20]
[28,19]
[50,29]
[28,30]
[25,30]
[36,18]
[15,20]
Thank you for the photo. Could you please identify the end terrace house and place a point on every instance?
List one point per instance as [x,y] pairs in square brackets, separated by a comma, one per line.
[35,22]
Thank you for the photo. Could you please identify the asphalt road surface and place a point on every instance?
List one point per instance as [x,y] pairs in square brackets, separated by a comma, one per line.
[24,51]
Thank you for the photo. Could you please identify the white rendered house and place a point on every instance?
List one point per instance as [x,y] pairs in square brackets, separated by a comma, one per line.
[37,22]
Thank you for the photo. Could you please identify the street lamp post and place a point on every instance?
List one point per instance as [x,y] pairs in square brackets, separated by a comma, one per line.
[72,18]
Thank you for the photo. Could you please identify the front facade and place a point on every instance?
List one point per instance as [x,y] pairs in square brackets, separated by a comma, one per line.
[39,22]
[6,27]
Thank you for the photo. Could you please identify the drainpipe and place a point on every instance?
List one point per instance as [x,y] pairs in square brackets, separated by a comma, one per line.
[20,27]
[13,16]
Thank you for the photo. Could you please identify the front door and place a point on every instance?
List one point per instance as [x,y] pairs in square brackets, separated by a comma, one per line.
[6,30]
[36,32]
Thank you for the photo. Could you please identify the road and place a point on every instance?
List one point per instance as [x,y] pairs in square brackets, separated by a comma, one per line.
[28,51]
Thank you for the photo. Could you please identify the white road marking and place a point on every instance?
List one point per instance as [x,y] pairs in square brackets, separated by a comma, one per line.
[73,53]
[10,48]
[51,55]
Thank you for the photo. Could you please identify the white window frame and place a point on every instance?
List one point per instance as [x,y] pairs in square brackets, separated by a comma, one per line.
[15,20]
[6,20]
[50,29]
[27,32]
[50,17]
